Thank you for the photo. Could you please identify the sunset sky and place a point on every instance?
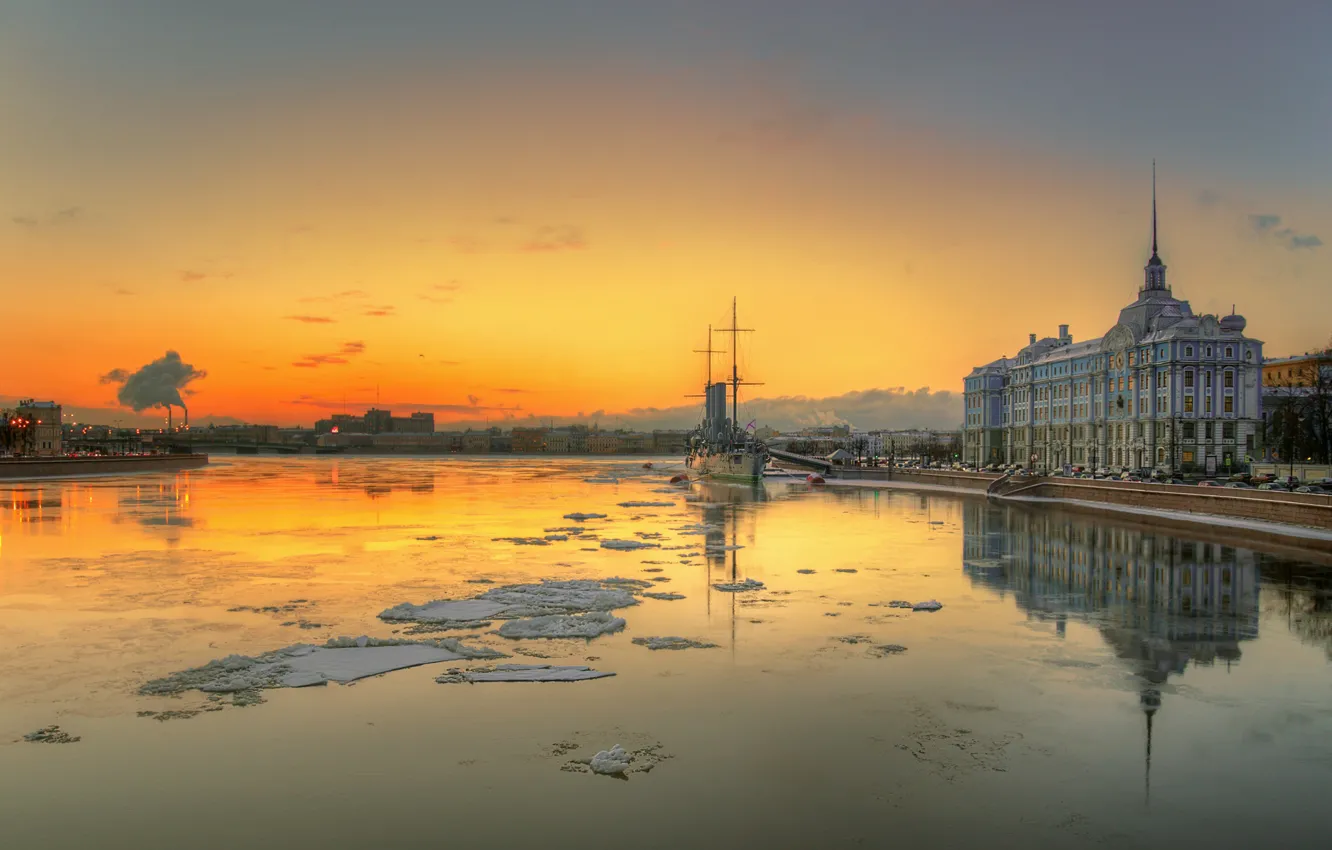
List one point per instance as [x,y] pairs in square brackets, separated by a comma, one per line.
[505,209]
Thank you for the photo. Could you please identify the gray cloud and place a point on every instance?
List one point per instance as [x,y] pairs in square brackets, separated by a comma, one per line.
[158,384]
[312,320]
[1267,226]
[473,400]
[1208,198]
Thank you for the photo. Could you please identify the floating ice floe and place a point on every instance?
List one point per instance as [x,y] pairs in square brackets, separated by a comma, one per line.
[929,605]
[576,517]
[522,541]
[669,597]
[601,480]
[739,586]
[649,535]
[557,537]
[627,545]
[723,547]
[430,537]
[566,529]
[301,665]
[896,603]
[51,735]
[652,569]
[524,600]
[562,626]
[522,673]
[612,762]
[673,643]
[887,649]
[845,570]
[616,581]
[853,639]
[806,572]
[699,528]
[646,504]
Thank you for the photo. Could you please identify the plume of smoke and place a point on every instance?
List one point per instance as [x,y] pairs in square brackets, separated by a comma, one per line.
[157,384]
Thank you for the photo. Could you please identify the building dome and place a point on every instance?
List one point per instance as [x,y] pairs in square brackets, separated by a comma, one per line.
[1233,322]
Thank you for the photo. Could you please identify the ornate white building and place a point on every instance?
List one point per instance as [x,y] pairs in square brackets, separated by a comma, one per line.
[1164,388]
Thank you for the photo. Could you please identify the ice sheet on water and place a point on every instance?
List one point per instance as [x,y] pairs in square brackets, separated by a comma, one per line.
[846,570]
[522,541]
[806,572]
[601,480]
[628,545]
[739,586]
[562,626]
[673,643]
[577,517]
[723,547]
[928,605]
[566,529]
[612,762]
[300,665]
[646,504]
[524,600]
[557,537]
[669,597]
[523,673]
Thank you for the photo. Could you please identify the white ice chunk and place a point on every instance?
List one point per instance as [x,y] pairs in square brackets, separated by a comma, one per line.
[558,537]
[626,545]
[562,626]
[673,643]
[534,673]
[301,665]
[646,504]
[739,586]
[669,597]
[929,605]
[583,517]
[444,610]
[612,762]
[602,480]
[723,547]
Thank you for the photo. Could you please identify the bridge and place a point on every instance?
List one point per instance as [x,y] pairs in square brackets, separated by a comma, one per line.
[816,463]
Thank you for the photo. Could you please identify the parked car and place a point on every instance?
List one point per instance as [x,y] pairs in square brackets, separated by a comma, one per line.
[1239,485]
[1272,485]
[1209,482]
[1311,488]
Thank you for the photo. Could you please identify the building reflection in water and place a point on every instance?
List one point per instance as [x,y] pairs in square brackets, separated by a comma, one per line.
[724,509]
[1159,601]
[377,480]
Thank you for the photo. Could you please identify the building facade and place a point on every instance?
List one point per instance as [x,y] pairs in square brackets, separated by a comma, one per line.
[1297,408]
[1164,388]
[44,430]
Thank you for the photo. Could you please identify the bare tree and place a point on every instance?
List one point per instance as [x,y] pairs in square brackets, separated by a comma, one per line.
[1301,423]
[18,435]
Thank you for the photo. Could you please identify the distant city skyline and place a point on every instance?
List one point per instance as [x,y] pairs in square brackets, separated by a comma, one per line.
[491,211]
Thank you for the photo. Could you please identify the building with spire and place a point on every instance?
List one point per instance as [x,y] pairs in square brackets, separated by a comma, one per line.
[1163,389]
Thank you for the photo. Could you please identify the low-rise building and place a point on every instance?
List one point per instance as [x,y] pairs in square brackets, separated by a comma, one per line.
[43,431]
[603,443]
[476,442]
[528,440]
[670,442]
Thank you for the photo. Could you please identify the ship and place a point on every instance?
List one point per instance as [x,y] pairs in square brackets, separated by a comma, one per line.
[719,449]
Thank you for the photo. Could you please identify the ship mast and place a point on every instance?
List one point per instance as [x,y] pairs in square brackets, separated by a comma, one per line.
[734,330]
[710,351]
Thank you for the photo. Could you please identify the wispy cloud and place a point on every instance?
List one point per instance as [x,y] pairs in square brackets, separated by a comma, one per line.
[337,358]
[1268,226]
[123,291]
[381,310]
[188,276]
[344,295]
[555,238]
[440,293]
[312,320]
[510,390]
[68,215]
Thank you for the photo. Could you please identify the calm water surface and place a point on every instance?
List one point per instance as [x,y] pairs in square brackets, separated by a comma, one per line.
[1087,683]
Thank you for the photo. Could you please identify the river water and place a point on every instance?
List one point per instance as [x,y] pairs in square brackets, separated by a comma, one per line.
[1086,683]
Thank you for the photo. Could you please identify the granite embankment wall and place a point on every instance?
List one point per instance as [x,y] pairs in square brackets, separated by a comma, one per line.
[1300,509]
[68,467]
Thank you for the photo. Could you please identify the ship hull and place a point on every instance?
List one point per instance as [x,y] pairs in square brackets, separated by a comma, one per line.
[746,467]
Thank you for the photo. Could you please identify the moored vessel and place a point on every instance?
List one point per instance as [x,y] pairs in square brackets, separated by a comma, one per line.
[719,449]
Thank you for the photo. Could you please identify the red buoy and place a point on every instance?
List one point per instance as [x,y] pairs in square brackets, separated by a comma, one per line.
[647,466]
[814,478]
[679,479]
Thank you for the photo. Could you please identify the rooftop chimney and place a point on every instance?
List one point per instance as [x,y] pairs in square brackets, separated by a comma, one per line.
[1031,339]
[1063,334]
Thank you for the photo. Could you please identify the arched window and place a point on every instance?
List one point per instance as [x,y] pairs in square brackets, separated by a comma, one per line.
[1248,356]
[1160,454]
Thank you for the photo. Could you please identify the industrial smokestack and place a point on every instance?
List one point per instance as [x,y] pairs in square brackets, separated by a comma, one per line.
[169,428]
[187,416]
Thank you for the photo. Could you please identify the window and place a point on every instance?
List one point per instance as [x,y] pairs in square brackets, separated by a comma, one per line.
[1228,430]
[1132,358]
[1188,351]
[1130,382]
[1248,356]
[1207,380]
[1207,430]
[1209,351]
[1230,404]
[1230,352]
[1160,455]
[1188,456]
[1188,379]
[1190,430]
[1188,404]
[1230,379]
[1207,404]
